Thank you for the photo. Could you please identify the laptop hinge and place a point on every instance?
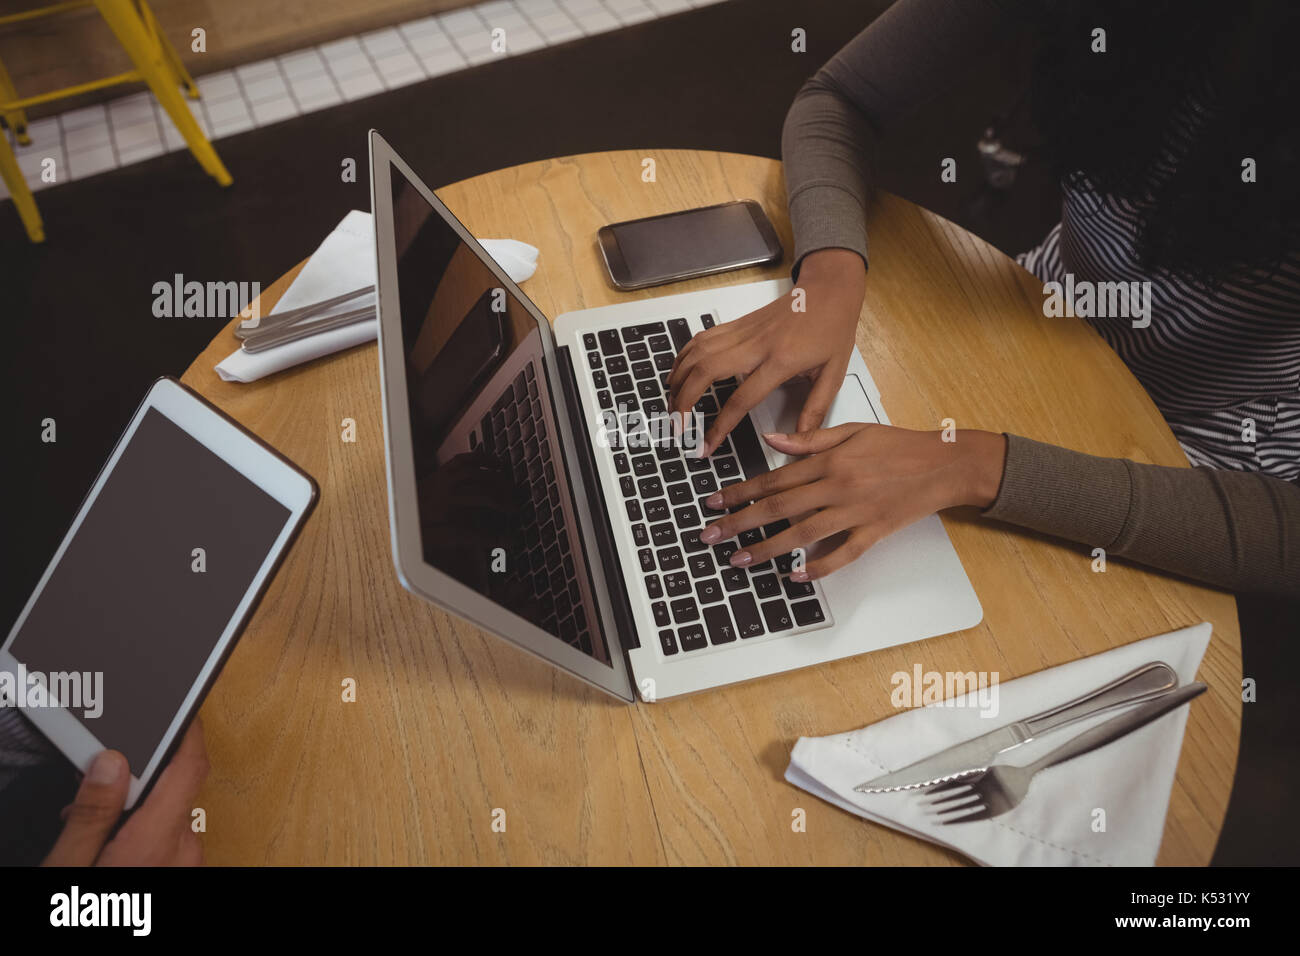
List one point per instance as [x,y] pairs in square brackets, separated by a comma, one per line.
[603,529]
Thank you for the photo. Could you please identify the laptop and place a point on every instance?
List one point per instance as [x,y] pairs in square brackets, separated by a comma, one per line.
[534,492]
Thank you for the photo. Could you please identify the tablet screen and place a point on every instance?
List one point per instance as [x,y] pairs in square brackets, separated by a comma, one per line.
[149,582]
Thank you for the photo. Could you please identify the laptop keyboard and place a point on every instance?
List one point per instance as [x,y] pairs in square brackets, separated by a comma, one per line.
[514,432]
[697,598]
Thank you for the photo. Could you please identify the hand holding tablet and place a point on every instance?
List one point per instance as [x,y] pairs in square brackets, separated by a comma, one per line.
[150,587]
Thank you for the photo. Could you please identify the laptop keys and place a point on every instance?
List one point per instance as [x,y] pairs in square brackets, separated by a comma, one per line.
[797,589]
[734,579]
[808,612]
[663,534]
[670,559]
[697,599]
[777,616]
[691,541]
[692,638]
[685,609]
[680,331]
[708,591]
[700,565]
[677,584]
[745,608]
[718,621]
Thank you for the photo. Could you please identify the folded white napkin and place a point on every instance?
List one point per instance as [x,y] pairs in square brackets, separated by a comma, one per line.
[343,262]
[1129,779]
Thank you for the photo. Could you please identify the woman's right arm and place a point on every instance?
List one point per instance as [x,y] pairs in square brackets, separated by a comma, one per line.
[913,52]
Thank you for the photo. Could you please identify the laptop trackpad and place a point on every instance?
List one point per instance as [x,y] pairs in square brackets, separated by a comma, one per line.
[779,412]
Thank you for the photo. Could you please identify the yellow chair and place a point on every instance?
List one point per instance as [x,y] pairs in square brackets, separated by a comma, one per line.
[156,64]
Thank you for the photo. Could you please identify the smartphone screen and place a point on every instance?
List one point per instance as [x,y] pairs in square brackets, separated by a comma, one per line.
[690,243]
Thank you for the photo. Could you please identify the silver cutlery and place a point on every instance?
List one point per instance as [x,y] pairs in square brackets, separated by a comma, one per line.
[292,324]
[994,791]
[1144,683]
[280,334]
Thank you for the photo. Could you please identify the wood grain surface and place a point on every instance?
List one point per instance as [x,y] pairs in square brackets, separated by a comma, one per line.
[452,724]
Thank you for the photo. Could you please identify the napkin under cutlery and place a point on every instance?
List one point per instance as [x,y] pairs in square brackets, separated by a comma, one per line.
[343,262]
[1058,824]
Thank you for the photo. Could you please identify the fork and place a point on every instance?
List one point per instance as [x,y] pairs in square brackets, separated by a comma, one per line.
[993,791]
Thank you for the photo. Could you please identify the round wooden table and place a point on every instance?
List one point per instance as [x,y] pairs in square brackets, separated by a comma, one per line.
[452,726]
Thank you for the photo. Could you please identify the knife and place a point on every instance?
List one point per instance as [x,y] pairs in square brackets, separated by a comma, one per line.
[1146,682]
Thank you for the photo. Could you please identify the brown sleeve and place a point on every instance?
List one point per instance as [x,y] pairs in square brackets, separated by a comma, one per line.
[911,53]
[1233,529]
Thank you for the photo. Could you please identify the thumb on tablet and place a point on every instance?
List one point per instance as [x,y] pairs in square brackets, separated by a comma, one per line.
[93,814]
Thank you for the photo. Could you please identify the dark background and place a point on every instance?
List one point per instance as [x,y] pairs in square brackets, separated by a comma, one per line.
[82,345]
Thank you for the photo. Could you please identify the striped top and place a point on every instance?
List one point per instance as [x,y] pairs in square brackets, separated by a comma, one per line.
[1222,364]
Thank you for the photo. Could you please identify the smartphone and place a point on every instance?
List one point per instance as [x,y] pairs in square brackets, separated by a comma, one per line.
[683,245]
[144,599]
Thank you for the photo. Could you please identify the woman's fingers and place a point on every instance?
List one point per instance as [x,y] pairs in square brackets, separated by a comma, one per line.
[782,504]
[769,483]
[814,442]
[715,341]
[815,527]
[825,387]
[854,546]
[756,387]
[787,476]
[741,360]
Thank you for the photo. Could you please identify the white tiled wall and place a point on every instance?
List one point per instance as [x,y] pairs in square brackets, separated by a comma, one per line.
[134,128]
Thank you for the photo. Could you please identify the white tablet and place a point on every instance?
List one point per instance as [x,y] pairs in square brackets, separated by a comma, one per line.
[147,593]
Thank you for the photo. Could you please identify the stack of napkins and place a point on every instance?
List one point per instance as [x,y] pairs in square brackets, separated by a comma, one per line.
[343,262]
[1106,807]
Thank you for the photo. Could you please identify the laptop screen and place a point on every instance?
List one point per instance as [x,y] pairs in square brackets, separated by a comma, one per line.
[493,498]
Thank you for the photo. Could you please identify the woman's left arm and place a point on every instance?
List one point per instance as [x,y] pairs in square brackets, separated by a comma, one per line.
[1235,530]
